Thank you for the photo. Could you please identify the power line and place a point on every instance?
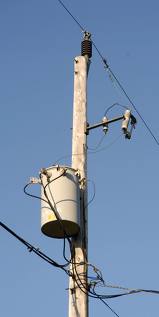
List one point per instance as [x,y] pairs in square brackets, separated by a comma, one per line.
[112,310]
[49,260]
[91,293]
[87,291]
[69,12]
[130,100]
[78,280]
[107,67]
[33,249]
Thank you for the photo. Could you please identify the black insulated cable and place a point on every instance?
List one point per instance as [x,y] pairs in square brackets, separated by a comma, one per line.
[33,249]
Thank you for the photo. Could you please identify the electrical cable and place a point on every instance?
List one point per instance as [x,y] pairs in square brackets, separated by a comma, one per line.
[82,287]
[114,105]
[74,270]
[90,294]
[98,144]
[94,193]
[107,68]
[133,105]
[34,249]
[112,310]
[78,279]
[54,179]
[102,149]
[53,209]
[31,195]
[130,290]
[69,12]
[100,279]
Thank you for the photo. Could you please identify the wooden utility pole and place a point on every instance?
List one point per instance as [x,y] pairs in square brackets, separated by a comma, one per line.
[78,298]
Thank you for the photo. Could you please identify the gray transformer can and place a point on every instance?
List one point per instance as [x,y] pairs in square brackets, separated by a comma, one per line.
[60,203]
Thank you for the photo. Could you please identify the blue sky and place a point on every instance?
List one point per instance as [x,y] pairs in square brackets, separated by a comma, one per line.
[38,42]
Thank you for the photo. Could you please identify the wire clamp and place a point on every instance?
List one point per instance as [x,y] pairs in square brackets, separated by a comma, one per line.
[30,248]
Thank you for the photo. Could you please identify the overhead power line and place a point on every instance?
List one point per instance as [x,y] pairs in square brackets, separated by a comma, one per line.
[108,68]
[44,257]
[33,249]
[133,105]
[112,310]
[94,282]
[69,12]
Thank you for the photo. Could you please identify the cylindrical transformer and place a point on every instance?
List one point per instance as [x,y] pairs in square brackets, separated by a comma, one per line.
[60,203]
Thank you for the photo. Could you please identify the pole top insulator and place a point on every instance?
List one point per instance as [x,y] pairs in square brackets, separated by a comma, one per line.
[86,45]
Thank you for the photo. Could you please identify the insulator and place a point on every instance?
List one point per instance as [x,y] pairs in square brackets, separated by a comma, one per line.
[105,124]
[86,48]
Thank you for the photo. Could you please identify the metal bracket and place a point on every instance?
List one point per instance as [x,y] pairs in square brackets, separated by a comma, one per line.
[101,124]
